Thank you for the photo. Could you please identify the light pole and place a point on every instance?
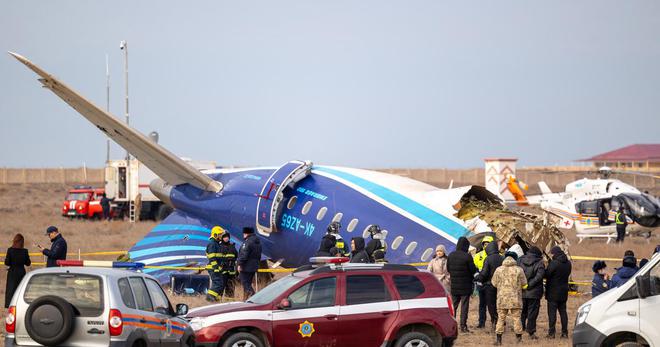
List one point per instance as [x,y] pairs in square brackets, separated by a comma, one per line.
[107,104]
[123,45]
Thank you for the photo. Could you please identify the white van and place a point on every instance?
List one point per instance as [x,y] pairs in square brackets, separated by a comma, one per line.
[625,316]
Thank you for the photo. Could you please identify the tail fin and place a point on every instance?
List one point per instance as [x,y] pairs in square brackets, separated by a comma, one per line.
[545,190]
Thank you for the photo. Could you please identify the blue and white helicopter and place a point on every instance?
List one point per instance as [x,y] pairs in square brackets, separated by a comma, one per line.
[290,206]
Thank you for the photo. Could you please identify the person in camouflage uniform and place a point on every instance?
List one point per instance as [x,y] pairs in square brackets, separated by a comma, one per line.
[510,280]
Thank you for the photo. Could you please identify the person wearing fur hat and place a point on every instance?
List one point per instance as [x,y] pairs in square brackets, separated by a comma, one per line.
[601,281]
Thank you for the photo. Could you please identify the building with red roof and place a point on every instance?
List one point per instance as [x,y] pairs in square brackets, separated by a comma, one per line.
[636,157]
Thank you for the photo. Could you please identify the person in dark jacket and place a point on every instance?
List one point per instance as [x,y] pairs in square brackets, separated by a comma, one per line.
[57,250]
[358,253]
[601,281]
[213,257]
[105,205]
[462,271]
[621,223]
[328,242]
[493,261]
[623,274]
[17,259]
[376,248]
[556,290]
[532,265]
[227,264]
[249,257]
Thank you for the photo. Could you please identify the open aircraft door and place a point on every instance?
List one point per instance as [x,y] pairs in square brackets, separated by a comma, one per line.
[270,198]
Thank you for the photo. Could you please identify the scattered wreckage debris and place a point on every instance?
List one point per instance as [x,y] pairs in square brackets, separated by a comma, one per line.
[528,227]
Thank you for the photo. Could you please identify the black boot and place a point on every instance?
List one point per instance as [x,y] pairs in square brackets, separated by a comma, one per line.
[533,336]
[518,338]
[498,342]
[563,336]
[464,329]
[550,336]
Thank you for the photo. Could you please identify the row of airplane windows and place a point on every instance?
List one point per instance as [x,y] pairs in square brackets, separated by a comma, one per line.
[353,224]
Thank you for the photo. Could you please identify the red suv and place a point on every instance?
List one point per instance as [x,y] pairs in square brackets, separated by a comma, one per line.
[335,305]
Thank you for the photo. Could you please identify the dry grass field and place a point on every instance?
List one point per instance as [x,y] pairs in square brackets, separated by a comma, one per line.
[29,209]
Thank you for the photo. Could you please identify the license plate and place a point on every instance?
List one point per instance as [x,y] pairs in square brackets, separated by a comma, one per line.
[71,213]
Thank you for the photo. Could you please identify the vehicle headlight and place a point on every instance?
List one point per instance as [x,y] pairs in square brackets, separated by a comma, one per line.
[583,312]
[197,323]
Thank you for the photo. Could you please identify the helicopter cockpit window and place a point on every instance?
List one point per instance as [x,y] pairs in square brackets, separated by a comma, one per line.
[587,207]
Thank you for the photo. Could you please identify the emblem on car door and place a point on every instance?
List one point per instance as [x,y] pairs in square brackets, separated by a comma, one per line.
[306,329]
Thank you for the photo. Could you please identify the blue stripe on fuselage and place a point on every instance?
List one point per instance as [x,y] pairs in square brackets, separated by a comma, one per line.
[416,209]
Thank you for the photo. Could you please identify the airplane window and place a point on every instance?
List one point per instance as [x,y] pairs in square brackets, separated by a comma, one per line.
[337,217]
[411,248]
[365,233]
[292,202]
[321,213]
[427,254]
[306,207]
[397,242]
[352,225]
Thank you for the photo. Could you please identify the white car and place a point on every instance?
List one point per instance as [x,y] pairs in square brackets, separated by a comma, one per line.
[627,315]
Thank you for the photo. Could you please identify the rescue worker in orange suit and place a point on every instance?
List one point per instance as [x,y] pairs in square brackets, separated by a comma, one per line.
[227,264]
[621,223]
[376,247]
[213,267]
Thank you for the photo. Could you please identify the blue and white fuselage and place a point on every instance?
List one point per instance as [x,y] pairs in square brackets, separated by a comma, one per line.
[415,217]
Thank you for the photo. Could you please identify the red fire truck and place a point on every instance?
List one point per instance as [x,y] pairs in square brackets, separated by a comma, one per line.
[83,202]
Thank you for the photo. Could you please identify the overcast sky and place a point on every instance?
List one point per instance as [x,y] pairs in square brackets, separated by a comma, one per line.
[351,83]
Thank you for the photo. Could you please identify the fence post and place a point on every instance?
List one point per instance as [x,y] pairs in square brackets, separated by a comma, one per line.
[78,253]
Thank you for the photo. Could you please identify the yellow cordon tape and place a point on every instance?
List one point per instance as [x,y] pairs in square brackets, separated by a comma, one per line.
[72,255]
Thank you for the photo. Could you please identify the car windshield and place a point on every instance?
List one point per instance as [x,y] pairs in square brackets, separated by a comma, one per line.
[82,291]
[274,290]
[77,196]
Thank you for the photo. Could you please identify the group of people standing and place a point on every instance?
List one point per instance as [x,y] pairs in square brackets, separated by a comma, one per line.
[333,245]
[603,281]
[17,258]
[224,262]
[509,283]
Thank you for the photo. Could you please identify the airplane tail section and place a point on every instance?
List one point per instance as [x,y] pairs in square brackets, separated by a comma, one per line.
[161,161]
[180,240]
[545,190]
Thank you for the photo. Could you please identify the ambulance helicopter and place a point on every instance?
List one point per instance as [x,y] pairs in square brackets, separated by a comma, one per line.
[591,204]
[290,205]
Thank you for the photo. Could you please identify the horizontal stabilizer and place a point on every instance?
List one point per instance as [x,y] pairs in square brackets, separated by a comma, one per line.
[161,161]
[545,190]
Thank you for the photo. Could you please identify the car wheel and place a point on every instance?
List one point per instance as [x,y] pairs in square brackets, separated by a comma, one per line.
[243,340]
[414,339]
[49,320]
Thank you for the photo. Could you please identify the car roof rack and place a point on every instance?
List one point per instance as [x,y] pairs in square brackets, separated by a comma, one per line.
[359,266]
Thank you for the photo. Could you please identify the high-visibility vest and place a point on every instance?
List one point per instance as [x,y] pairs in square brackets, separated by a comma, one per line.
[618,219]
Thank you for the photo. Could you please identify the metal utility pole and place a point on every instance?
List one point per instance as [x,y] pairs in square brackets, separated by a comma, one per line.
[107,104]
[123,45]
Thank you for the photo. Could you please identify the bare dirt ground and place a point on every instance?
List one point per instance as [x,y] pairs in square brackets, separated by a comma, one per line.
[30,209]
